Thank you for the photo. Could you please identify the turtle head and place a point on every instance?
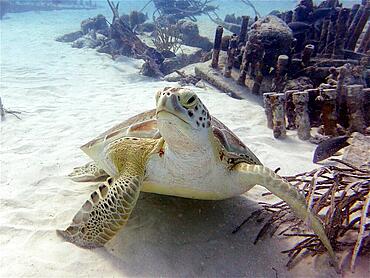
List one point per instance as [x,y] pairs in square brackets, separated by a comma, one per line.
[183,120]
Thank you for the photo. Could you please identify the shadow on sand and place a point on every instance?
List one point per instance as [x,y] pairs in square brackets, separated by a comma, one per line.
[176,237]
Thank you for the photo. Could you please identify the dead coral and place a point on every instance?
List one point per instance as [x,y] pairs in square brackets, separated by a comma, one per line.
[166,36]
[340,195]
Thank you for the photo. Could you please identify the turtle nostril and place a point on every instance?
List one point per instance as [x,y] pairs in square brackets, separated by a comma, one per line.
[168,94]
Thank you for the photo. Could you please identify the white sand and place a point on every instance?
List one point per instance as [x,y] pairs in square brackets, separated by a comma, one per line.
[69,96]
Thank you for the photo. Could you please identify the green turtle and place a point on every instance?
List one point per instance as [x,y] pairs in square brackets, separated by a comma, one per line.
[177,149]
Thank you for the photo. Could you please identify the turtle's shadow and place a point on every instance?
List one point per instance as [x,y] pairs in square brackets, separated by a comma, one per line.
[169,236]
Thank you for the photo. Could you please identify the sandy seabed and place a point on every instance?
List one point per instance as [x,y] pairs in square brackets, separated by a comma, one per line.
[68,96]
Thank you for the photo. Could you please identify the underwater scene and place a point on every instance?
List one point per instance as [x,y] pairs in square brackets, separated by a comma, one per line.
[184,138]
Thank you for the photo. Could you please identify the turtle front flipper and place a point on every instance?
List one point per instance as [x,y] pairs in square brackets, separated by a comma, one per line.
[88,172]
[105,213]
[258,174]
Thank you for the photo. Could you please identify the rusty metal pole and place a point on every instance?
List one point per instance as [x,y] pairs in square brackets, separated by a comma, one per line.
[314,107]
[217,47]
[281,69]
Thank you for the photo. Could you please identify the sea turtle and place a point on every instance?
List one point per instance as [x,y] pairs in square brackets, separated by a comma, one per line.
[177,149]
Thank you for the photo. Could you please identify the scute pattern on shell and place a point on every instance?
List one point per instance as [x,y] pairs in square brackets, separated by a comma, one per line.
[234,150]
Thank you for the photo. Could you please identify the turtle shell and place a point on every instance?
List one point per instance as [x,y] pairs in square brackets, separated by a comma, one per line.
[144,125]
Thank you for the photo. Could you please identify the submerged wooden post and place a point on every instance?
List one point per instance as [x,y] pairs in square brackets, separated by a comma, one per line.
[244,66]
[258,78]
[366,93]
[217,47]
[302,120]
[281,69]
[354,108]
[278,115]
[230,56]
[340,33]
[268,109]
[341,97]
[314,107]
[289,109]
[329,46]
[363,17]
[323,35]
[365,42]
[352,14]
[243,30]
[306,55]
[2,111]
[328,111]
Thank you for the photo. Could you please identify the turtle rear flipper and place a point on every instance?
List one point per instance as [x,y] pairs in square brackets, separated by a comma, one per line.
[88,172]
[258,174]
[105,213]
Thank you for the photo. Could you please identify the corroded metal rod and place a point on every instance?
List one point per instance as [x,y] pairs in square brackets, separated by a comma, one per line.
[230,56]
[244,66]
[314,107]
[352,14]
[302,119]
[355,108]
[217,47]
[258,78]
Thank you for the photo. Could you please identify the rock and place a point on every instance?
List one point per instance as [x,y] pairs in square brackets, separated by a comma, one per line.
[190,35]
[86,41]
[275,36]
[171,64]
[70,37]
[96,23]
[168,54]
[301,83]
[146,27]
[136,18]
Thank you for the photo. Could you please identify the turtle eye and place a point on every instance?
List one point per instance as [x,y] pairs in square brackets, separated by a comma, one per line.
[190,101]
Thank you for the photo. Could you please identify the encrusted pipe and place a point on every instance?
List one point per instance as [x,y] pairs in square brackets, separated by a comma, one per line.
[328,111]
[365,42]
[217,47]
[340,32]
[278,115]
[359,27]
[243,30]
[230,56]
[267,106]
[306,55]
[302,119]
[355,108]
[289,109]
[281,69]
